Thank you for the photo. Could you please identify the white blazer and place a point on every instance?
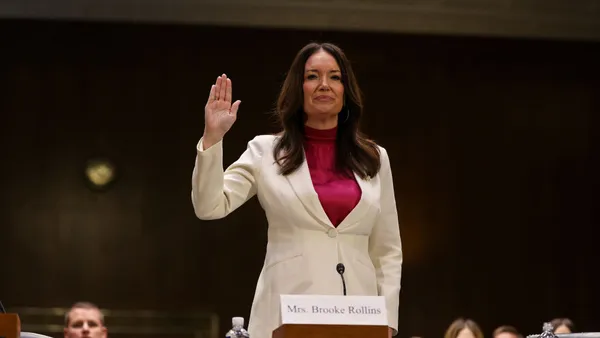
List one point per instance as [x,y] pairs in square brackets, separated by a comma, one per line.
[303,246]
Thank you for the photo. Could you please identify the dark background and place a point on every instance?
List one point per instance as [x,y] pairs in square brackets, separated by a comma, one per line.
[493,143]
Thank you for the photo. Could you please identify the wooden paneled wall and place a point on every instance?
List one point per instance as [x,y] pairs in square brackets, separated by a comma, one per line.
[493,144]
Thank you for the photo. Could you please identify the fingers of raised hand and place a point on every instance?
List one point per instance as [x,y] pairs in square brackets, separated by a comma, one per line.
[212,94]
[223,88]
[221,92]
[234,107]
[228,90]
[218,85]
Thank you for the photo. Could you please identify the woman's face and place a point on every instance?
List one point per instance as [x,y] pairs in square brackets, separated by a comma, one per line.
[465,333]
[323,89]
[562,329]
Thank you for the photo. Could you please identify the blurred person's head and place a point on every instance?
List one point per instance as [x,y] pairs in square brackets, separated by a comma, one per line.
[506,331]
[464,328]
[562,325]
[84,320]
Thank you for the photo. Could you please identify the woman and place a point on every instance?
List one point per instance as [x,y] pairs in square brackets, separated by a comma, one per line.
[327,191]
[463,328]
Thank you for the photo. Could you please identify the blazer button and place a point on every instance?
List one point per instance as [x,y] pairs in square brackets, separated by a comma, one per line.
[332,233]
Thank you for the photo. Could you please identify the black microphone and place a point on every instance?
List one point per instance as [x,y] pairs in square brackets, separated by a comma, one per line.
[2,309]
[340,269]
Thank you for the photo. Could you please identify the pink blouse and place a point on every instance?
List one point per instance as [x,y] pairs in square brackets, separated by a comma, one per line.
[337,192]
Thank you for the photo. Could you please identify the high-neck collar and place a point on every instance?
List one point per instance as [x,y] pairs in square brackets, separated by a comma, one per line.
[320,135]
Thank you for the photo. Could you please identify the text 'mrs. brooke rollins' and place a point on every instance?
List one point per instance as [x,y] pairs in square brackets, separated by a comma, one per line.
[353,310]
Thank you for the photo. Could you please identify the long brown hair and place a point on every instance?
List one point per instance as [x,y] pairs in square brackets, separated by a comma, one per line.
[354,152]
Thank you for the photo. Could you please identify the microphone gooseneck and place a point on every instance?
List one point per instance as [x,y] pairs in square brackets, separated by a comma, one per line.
[2,309]
[340,268]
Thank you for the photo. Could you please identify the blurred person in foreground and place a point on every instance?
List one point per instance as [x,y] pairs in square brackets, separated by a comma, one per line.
[562,325]
[84,320]
[463,328]
[506,331]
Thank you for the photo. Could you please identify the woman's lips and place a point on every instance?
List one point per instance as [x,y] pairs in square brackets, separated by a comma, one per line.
[324,98]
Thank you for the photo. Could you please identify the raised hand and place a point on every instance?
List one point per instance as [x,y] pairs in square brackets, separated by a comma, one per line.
[219,112]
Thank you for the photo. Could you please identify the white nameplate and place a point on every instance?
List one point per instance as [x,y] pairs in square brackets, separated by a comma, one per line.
[340,310]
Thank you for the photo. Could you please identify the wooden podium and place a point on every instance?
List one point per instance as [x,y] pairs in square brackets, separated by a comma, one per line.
[10,325]
[330,331]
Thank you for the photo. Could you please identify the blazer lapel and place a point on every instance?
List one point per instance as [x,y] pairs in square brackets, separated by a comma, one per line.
[302,185]
[362,206]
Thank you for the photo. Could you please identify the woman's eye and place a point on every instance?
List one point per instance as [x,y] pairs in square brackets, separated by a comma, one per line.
[336,77]
[311,77]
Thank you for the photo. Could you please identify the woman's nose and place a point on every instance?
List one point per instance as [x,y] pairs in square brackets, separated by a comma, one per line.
[324,85]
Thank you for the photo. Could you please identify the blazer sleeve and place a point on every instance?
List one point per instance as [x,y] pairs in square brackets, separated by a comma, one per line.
[385,245]
[217,192]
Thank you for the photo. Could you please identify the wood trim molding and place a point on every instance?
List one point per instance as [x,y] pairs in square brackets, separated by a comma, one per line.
[556,19]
